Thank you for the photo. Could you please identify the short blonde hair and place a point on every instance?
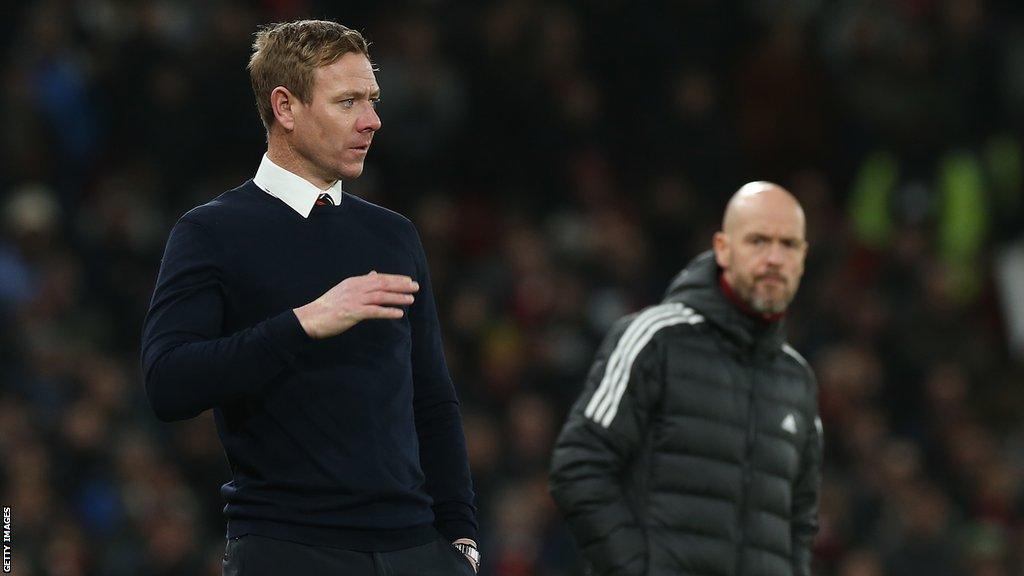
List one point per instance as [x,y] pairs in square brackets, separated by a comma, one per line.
[286,54]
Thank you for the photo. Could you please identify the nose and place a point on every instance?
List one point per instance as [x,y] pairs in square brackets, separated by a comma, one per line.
[370,121]
[775,254]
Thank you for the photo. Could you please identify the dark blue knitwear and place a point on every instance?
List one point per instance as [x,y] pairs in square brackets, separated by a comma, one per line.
[353,441]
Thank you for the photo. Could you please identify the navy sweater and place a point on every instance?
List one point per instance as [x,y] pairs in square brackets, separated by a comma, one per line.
[353,441]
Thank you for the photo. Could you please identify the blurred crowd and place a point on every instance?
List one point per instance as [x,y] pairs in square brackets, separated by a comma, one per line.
[562,161]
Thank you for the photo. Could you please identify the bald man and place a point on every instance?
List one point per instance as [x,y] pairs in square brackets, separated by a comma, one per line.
[695,448]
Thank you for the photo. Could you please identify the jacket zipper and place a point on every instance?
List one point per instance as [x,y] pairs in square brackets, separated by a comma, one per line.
[741,509]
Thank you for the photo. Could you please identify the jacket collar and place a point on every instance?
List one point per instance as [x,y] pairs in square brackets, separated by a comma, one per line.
[698,287]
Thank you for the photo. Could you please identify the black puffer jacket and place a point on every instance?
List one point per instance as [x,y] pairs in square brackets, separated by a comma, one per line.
[695,448]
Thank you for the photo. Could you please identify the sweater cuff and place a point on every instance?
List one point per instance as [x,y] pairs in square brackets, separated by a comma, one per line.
[455,529]
[285,335]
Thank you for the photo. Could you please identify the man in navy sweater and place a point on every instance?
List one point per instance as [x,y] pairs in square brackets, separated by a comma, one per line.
[304,317]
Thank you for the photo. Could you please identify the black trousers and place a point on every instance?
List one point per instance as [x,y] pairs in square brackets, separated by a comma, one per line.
[252,555]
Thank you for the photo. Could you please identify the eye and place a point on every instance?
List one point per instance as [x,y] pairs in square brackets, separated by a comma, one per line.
[374,101]
[348,102]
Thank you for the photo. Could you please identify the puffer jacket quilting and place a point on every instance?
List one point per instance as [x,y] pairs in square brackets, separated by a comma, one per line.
[695,447]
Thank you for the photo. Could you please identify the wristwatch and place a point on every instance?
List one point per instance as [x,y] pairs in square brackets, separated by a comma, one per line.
[470,552]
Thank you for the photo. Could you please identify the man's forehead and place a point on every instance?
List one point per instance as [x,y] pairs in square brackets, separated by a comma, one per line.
[351,70]
[773,224]
[773,228]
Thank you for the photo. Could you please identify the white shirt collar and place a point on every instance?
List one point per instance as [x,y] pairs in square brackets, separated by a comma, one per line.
[292,189]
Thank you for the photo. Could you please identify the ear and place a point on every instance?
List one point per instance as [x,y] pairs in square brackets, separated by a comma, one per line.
[281,102]
[803,255]
[722,249]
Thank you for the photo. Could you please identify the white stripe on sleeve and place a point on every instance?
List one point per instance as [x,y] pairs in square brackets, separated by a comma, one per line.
[604,405]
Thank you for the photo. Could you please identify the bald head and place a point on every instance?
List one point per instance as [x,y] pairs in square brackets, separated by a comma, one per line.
[761,246]
[760,201]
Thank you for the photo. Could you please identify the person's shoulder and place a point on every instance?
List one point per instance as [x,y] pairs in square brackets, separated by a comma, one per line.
[366,209]
[801,363]
[226,207]
[657,321]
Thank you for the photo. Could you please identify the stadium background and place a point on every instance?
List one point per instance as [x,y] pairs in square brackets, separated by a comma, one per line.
[562,160]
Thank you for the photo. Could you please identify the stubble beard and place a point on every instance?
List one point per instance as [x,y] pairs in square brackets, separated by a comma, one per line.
[762,304]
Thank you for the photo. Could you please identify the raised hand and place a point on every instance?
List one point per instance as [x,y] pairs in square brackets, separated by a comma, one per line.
[356,299]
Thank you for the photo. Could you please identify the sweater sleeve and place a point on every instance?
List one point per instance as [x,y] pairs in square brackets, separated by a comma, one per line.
[442,441]
[189,364]
[605,430]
